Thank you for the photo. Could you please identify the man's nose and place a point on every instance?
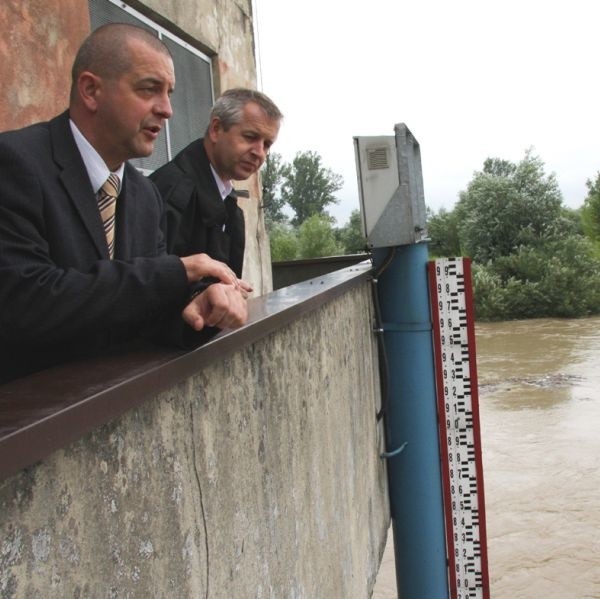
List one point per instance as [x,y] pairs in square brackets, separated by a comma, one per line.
[163,107]
[260,149]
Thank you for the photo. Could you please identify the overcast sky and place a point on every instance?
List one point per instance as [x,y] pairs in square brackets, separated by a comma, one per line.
[470,78]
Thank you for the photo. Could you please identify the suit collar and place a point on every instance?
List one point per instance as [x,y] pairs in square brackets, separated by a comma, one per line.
[127,208]
[75,179]
[96,168]
[194,161]
[225,187]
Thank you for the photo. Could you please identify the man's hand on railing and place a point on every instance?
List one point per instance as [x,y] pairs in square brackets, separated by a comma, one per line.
[219,305]
[199,266]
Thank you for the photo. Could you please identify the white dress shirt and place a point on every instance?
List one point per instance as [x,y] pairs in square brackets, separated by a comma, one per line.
[96,167]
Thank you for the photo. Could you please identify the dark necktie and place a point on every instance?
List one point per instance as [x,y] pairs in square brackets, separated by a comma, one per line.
[234,228]
[107,203]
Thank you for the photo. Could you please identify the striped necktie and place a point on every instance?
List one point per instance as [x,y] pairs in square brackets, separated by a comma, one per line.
[107,202]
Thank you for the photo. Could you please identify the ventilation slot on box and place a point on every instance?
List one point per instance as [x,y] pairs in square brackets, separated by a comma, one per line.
[377,158]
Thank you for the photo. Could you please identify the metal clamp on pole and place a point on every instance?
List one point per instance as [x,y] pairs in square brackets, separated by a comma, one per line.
[386,455]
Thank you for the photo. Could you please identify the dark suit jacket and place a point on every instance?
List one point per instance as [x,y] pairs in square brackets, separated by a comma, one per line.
[196,214]
[60,295]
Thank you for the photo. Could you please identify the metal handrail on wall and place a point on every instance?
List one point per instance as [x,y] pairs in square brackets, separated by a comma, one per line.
[50,409]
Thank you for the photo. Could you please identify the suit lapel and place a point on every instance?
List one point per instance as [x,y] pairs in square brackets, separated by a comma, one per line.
[76,182]
[126,211]
[197,164]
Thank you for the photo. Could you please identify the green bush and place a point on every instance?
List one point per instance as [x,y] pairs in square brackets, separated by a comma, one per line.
[560,278]
[283,240]
[316,238]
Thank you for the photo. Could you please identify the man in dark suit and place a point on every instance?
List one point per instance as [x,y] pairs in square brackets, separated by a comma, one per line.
[202,210]
[77,275]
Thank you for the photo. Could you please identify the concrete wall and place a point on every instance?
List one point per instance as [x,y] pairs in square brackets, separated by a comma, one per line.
[37,48]
[258,477]
[40,40]
[222,29]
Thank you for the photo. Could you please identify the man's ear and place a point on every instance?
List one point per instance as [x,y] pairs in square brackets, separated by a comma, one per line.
[214,128]
[88,87]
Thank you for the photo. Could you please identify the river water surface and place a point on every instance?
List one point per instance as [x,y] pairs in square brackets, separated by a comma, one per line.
[539,399]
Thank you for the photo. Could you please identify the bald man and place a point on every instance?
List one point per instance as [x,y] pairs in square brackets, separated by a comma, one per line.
[83,262]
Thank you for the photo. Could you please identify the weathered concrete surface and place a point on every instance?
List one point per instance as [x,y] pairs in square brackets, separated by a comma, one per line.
[258,477]
[37,48]
[223,29]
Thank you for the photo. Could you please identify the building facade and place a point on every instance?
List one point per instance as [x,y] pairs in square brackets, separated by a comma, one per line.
[212,44]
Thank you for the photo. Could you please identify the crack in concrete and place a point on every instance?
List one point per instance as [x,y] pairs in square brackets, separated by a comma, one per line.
[199,485]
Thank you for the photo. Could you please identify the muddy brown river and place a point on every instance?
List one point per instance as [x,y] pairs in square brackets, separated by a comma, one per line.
[539,395]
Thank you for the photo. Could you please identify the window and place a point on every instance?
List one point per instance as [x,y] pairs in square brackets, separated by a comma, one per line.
[193,95]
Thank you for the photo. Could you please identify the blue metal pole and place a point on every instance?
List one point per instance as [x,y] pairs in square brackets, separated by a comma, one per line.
[414,474]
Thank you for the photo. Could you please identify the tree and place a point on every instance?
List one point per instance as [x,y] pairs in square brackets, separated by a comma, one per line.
[499,167]
[316,238]
[560,278]
[350,236]
[507,206]
[443,232]
[272,203]
[283,241]
[308,187]
[590,213]
[572,220]
[530,257]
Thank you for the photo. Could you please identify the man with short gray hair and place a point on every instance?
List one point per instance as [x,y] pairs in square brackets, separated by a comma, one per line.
[202,211]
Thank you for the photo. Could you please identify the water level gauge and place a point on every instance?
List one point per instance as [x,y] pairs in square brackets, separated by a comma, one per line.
[460,438]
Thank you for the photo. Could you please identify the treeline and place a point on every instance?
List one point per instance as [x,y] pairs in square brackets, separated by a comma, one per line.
[295,200]
[532,256]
